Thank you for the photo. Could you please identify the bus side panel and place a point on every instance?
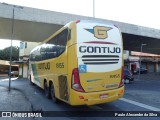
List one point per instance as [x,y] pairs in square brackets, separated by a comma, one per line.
[34,74]
[72,63]
[59,69]
[72,56]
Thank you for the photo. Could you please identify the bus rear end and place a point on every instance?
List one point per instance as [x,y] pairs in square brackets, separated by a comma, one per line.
[98,75]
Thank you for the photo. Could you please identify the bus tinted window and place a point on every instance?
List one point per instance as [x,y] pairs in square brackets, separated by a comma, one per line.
[35,55]
[53,48]
[48,51]
[60,41]
[62,38]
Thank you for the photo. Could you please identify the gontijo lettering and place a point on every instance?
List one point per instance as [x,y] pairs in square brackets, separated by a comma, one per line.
[96,49]
[45,66]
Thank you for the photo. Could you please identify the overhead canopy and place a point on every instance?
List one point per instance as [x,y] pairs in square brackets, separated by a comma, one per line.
[133,43]
[27,30]
[36,25]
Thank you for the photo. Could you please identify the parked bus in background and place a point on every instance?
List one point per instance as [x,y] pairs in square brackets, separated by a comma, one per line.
[80,64]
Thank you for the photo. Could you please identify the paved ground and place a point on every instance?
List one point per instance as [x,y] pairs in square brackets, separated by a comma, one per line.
[148,76]
[140,95]
[13,100]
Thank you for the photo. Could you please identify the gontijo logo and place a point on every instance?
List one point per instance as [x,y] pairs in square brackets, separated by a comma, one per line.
[99,32]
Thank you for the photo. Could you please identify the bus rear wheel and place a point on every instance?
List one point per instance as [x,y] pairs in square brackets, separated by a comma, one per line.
[46,90]
[53,97]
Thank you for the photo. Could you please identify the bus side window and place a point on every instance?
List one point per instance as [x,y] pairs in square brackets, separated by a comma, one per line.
[37,54]
[55,47]
[62,41]
[50,50]
[43,52]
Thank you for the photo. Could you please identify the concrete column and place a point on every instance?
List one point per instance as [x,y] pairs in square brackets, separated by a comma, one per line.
[156,67]
[25,71]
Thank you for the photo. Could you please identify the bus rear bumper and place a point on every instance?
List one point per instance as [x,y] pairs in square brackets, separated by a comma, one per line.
[80,98]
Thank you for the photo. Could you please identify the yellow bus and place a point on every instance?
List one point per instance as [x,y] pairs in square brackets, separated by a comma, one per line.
[80,64]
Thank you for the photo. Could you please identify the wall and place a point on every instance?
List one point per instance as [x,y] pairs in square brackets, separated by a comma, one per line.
[26,47]
[25,71]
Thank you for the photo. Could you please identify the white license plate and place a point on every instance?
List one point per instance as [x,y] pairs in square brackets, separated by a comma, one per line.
[102,96]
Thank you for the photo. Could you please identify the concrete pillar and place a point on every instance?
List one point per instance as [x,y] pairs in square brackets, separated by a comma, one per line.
[20,70]
[156,67]
[25,70]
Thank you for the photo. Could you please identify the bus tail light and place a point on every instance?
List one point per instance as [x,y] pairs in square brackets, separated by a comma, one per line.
[76,85]
[122,77]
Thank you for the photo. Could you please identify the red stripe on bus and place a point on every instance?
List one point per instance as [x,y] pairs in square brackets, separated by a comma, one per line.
[100,42]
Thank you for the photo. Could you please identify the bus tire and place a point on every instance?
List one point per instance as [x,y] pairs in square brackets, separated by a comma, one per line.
[46,90]
[53,97]
[31,83]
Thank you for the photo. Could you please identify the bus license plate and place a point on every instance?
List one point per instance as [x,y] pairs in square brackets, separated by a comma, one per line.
[102,96]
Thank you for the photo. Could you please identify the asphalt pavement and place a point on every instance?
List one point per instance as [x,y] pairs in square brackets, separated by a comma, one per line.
[24,97]
[13,100]
[148,76]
